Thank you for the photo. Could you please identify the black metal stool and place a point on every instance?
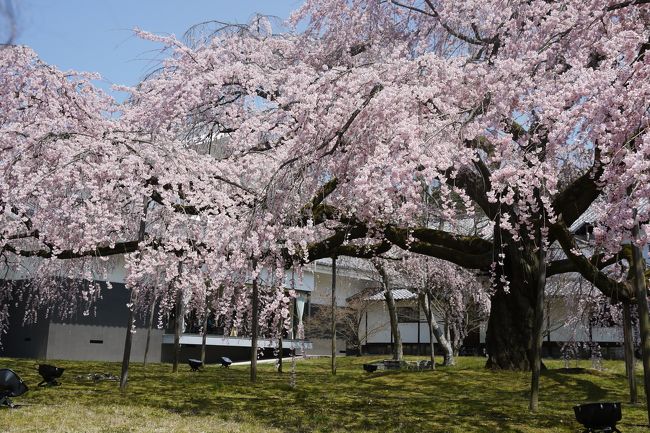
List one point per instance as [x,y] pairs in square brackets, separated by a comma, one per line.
[599,417]
[50,374]
[10,386]
[195,364]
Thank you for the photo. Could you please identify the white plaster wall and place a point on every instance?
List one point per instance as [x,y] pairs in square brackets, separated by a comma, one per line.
[579,332]
[323,347]
[345,287]
[379,325]
[72,342]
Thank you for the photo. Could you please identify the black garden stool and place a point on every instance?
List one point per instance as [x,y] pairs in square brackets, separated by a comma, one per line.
[195,364]
[599,417]
[10,386]
[50,374]
[225,362]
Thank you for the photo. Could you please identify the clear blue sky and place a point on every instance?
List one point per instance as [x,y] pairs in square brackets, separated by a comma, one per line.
[96,35]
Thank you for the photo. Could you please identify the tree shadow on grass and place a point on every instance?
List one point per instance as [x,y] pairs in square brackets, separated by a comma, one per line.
[578,379]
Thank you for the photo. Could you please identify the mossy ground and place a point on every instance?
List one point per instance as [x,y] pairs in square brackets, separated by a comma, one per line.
[464,398]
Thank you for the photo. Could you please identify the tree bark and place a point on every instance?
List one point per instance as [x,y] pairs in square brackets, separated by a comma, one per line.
[204,337]
[424,303]
[204,331]
[445,344]
[510,336]
[126,357]
[333,330]
[629,352]
[254,328]
[394,325]
[538,331]
[280,350]
[509,333]
[152,311]
[642,308]
[178,330]
[128,340]
[392,312]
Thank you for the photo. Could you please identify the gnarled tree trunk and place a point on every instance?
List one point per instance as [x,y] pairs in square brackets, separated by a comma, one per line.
[510,331]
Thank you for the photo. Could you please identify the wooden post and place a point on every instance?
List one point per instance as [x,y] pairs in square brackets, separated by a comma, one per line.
[333,315]
[629,352]
[642,308]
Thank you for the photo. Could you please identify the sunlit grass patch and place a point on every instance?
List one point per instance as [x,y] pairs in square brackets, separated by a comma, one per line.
[464,398]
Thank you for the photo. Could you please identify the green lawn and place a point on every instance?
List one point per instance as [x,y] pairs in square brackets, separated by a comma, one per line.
[464,398]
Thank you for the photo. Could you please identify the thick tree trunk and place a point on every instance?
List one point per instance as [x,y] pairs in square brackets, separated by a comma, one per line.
[629,352]
[538,332]
[254,329]
[333,330]
[642,308]
[510,336]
